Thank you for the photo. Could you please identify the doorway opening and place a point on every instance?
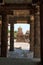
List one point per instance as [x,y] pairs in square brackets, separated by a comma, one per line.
[20,18]
[22,40]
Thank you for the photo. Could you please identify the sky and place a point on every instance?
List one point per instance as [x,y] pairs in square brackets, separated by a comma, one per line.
[24,27]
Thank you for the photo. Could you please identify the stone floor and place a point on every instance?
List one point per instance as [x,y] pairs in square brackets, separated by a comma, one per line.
[21,50]
[19,53]
[12,61]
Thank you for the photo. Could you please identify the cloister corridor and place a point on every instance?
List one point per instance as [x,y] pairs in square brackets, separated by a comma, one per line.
[23,16]
[20,48]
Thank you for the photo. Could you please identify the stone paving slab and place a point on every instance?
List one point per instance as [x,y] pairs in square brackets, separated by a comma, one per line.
[13,54]
[12,61]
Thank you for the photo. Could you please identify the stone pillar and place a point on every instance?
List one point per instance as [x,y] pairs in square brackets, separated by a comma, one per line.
[32,33]
[37,34]
[41,29]
[0,27]
[12,37]
[0,33]
[4,35]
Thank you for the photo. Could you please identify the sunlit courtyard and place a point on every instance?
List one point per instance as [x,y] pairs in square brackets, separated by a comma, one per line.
[21,42]
[21,50]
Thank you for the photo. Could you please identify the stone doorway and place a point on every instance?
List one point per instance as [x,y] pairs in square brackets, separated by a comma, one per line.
[33,28]
[20,18]
[22,44]
[13,19]
[33,36]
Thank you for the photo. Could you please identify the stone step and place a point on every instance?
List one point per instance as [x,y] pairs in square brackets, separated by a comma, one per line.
[12,61]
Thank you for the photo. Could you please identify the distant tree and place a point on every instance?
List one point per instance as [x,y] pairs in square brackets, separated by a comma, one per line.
[15,34]
[15,31]
[8,31]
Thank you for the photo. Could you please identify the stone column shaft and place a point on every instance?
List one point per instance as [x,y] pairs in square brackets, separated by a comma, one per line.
[0,33]
[12,37]
[37,36]
[4,35]
[32,35]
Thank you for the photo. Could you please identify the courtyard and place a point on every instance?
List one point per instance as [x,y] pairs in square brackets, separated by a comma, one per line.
[20,49]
